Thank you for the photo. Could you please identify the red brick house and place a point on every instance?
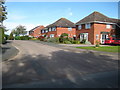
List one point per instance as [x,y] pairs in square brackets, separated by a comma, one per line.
[60,26]
[36,32]
[95,27]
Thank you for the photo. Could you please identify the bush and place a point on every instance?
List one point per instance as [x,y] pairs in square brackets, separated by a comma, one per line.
[67,42]
[11,36]
[54,40]
[63,37]
[83,41]
[75,42]
[25,38]
[33,39]
[88,43]
[2,36]
[41,38]
[17,38]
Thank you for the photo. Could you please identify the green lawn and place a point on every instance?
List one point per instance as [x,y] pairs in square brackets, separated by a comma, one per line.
[103,48]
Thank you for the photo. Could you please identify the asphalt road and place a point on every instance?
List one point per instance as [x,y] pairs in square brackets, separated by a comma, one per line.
[42,66]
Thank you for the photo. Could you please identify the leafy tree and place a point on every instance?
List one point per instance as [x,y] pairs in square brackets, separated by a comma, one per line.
[63,37]
[11,36]
[20,30]
[2,18]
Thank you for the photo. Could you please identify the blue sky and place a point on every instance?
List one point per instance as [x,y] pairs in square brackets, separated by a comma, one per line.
[31,14]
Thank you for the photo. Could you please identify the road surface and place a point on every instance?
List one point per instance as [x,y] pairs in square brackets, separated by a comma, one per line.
[42,66]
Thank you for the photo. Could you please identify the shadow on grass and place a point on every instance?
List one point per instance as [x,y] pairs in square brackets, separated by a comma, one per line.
[61,69]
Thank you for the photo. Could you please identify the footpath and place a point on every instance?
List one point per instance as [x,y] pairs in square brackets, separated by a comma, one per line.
[8,51]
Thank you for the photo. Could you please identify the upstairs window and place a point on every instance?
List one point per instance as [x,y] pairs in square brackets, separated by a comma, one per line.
[46,31]
[53,29]
[87,26]
[79,27]
[42,31]
[49,29]
[69,29]
[108,26]
[113,26]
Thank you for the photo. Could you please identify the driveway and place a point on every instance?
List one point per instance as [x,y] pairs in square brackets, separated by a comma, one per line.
[43,66]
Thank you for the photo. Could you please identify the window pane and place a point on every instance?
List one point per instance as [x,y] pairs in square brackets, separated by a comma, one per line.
[88,25]
[69,29]
[79,27]
[108,26]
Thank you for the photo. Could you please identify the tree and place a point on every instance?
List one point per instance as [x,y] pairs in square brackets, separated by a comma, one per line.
[11,36]
[20,30]
[2,18]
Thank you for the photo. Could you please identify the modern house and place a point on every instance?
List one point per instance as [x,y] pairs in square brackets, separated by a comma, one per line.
[60,26]
[36,32]
[96,27]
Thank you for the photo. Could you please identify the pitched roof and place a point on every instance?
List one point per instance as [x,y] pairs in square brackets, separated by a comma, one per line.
[35,28]
[62,22]
[96,16]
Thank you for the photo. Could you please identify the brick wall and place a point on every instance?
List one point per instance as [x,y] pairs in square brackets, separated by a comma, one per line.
[37,31]
[65,30]
[95,29]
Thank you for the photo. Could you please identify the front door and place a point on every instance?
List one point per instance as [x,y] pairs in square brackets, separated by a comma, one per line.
[83,36]
[103,37]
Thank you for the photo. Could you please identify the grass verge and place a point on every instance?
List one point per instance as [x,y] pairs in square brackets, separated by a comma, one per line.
[103,48]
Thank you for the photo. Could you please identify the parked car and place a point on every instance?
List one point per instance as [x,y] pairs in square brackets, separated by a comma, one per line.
[109,40]
[117,41]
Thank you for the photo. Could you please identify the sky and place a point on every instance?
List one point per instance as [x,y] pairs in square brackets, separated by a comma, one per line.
[32,14]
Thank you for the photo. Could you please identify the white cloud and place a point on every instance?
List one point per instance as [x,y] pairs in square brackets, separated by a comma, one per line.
[17,17]
[12,25]
[70,13]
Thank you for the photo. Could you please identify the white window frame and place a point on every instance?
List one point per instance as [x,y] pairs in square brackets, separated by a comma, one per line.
[79,27]
[42,31]
[69,29]
[50,30]
[46,31]
[51,35]
[108,26]
[97,36]
[87,25]
[53,29]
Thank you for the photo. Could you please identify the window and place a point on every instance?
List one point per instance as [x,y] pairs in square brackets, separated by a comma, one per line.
[88,26]
[46,31]
[49,29]
[42,31]
[108,26]
[79,27]
[97,36]
[113,26]
[53,29]
[51,35]
[69,29]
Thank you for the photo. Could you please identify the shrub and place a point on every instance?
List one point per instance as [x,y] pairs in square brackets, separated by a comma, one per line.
[17,38]
[25,38]
[75,42]
[11,36]
[2,36]
[33,39]
[6,37]
[41,38]
[63,37]
[67,42]
[83,41]
[88,43]
[54,40]
[97,44]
